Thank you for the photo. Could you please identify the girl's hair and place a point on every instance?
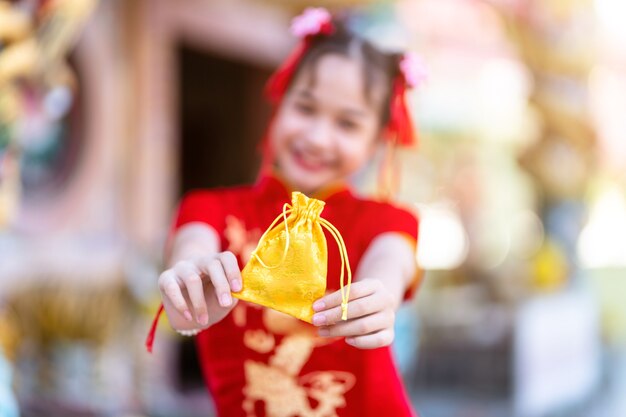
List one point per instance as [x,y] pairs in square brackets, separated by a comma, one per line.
[379,68]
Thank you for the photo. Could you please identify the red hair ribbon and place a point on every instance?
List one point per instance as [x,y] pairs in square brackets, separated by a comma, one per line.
[400,129]
[279,81]
[312,22]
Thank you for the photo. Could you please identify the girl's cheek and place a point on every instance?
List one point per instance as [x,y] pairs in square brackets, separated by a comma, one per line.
[352,157]
[282,131]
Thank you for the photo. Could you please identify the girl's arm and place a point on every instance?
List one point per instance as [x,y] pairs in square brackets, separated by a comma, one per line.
[196,287]
[386,271]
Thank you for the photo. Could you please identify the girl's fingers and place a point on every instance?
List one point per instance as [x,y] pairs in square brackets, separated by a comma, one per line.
[361,326]
[170,288]
[222,270]
[356,308]
[372,341]
[214,269]
[190,276]
[358,289]
[231,269]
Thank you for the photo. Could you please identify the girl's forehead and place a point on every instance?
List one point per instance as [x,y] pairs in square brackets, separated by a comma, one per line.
[336,78]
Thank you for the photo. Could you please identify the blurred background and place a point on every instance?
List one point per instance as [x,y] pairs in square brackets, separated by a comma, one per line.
[111,109]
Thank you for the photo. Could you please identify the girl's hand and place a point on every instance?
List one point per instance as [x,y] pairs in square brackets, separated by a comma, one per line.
[196,292]
[371,315]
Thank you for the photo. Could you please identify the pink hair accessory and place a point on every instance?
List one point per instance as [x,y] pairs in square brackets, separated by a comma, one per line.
[413,69]
[313,21]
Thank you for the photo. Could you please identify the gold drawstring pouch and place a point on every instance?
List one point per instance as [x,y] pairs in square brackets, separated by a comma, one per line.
[287,270]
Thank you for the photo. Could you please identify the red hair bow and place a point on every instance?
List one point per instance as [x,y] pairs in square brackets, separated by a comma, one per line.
[399,129]
[312,22]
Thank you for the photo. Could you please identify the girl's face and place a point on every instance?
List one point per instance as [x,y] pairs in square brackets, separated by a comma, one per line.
[325,128]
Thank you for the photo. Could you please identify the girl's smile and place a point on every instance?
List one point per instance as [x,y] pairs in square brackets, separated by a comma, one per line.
[310,162]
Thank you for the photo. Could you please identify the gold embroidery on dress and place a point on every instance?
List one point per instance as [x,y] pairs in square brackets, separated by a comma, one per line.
[292,354]
[259,340]
[327,387]
[277,383]
[287,396]
[241,241]
[239,315]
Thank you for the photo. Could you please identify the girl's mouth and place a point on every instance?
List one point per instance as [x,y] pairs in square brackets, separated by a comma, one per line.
[308,163]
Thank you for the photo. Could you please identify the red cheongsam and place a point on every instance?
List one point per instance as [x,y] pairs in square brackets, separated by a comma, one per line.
[258,362]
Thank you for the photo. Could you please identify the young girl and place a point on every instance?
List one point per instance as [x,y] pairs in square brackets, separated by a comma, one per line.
[336,98]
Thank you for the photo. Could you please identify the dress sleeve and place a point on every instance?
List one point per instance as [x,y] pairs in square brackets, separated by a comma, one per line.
[385,218]
[197,206]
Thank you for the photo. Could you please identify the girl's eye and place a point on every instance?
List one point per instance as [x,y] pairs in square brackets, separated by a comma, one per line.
[348,125]
[304,108]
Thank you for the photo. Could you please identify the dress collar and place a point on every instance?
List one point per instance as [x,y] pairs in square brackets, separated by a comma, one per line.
[274,184]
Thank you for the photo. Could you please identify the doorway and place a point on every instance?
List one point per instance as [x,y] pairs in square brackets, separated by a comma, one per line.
[222,116]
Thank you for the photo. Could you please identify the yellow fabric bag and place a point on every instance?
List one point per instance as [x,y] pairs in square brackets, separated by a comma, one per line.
[287,270]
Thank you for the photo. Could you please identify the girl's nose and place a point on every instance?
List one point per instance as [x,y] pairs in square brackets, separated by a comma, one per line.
[319,133]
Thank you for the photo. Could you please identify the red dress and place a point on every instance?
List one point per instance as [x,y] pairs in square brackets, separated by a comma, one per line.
[258,362]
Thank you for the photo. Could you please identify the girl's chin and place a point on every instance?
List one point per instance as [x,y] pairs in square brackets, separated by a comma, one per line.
[307,187]
[305,182]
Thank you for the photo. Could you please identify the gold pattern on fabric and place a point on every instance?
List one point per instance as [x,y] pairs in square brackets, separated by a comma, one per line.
[259,340]
[287,271]
[284,395]
[240,241]
[316,394]
[276,384]
[292,354]
[239,315]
